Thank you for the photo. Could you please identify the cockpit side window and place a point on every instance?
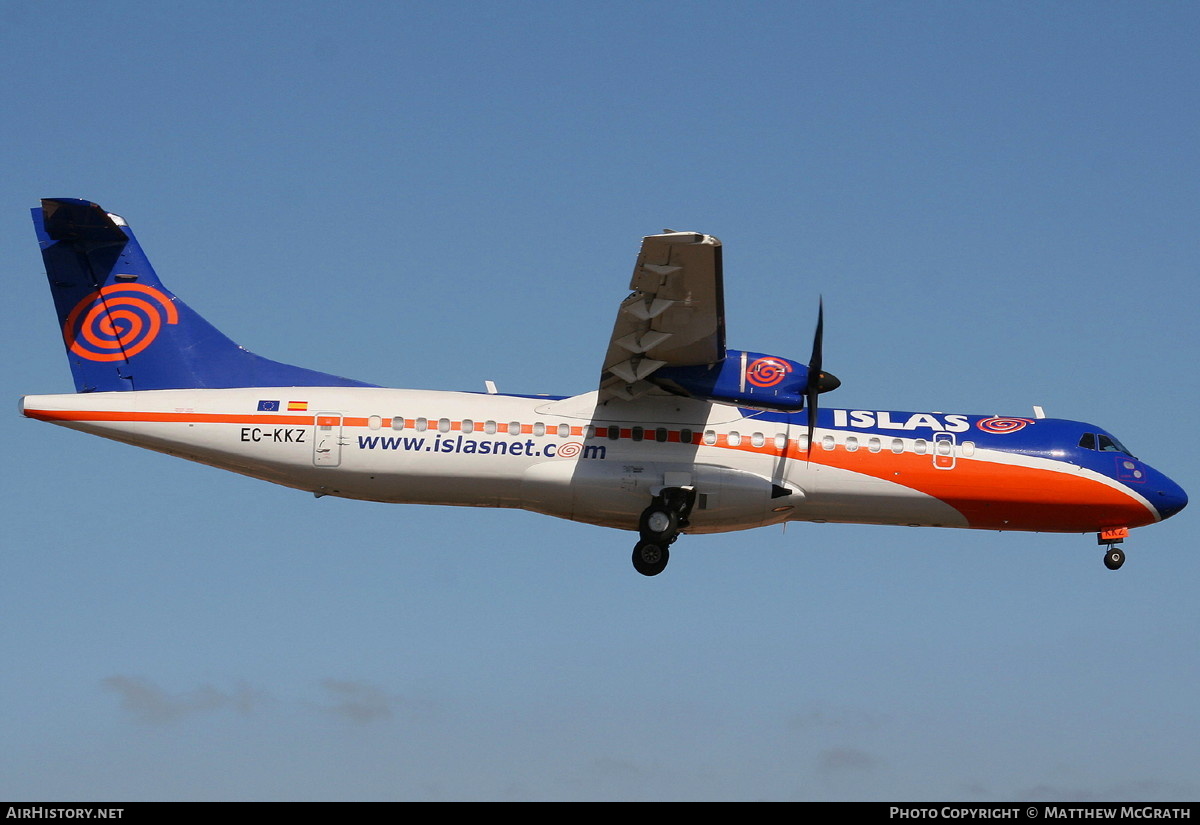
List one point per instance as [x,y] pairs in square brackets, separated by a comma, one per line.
[1107,444]
[1103,443]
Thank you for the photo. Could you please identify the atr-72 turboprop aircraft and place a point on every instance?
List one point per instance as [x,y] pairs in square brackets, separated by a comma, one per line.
[681,435]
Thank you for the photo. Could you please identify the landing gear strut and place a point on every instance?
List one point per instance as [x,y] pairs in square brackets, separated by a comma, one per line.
[659,526]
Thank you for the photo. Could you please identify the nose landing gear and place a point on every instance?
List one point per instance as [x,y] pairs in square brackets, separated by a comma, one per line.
[1114,556]
[659,526]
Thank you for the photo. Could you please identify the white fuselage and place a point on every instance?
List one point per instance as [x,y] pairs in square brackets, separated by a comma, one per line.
[572,458]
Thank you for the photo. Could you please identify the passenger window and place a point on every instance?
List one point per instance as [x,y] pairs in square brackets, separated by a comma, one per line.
[638,433]
[827,442]
[780,441]
[942,447]
[443,425]
[897,445]
[685,436]
[874,445]
[490,427]
[710,437]
[851,444]
[968,448]
[514,427]
[422,424]
[397,422]
[734,439]
[613,432]
[660,434]
[920,446]
[539,428]
[758,439]
[564,430]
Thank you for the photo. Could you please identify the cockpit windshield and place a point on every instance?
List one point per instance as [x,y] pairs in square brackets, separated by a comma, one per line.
[1103,443]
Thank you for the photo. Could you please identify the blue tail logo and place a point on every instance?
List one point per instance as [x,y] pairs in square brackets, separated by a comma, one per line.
[124,330]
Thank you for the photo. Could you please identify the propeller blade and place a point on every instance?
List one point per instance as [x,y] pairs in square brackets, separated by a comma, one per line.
[813,387]
[814,363]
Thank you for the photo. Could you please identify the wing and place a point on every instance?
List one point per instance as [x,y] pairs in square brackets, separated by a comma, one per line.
[675,315]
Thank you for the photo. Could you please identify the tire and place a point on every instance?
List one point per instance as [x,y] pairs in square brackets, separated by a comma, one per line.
[650,557]
[658,524]
[1114,557]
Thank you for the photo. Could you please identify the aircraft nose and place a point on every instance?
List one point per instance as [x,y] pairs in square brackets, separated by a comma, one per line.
[1167,497]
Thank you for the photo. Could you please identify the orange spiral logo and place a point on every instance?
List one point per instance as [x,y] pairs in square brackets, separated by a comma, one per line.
[569,450]
[117,322]
[1001,426]
[767,372]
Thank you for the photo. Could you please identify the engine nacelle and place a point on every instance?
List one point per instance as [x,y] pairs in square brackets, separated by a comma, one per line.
[747,379]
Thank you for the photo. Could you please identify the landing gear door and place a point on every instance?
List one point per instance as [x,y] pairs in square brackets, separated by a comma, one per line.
[327,440]
[943,451]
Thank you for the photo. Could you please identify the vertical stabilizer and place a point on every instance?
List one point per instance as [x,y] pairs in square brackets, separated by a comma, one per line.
[124,330]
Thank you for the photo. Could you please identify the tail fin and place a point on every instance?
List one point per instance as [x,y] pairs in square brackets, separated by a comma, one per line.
[124,330]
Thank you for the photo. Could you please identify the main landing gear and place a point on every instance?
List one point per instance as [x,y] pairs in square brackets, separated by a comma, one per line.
[659,526]
[1114,556]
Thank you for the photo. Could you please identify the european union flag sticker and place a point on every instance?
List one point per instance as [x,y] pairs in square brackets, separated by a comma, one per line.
[268,406]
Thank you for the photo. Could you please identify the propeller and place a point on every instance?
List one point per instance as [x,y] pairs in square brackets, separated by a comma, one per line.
[818,381]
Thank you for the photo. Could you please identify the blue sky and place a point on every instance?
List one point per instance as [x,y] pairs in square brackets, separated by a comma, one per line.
[997,201]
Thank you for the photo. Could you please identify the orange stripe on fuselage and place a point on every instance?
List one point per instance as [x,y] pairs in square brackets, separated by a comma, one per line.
[997,496]
[991,495]
[171,417]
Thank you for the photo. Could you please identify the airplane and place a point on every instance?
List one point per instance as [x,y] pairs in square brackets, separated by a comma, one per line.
[681,434]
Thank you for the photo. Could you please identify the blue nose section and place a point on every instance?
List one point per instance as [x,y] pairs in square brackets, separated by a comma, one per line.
[1166,496]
